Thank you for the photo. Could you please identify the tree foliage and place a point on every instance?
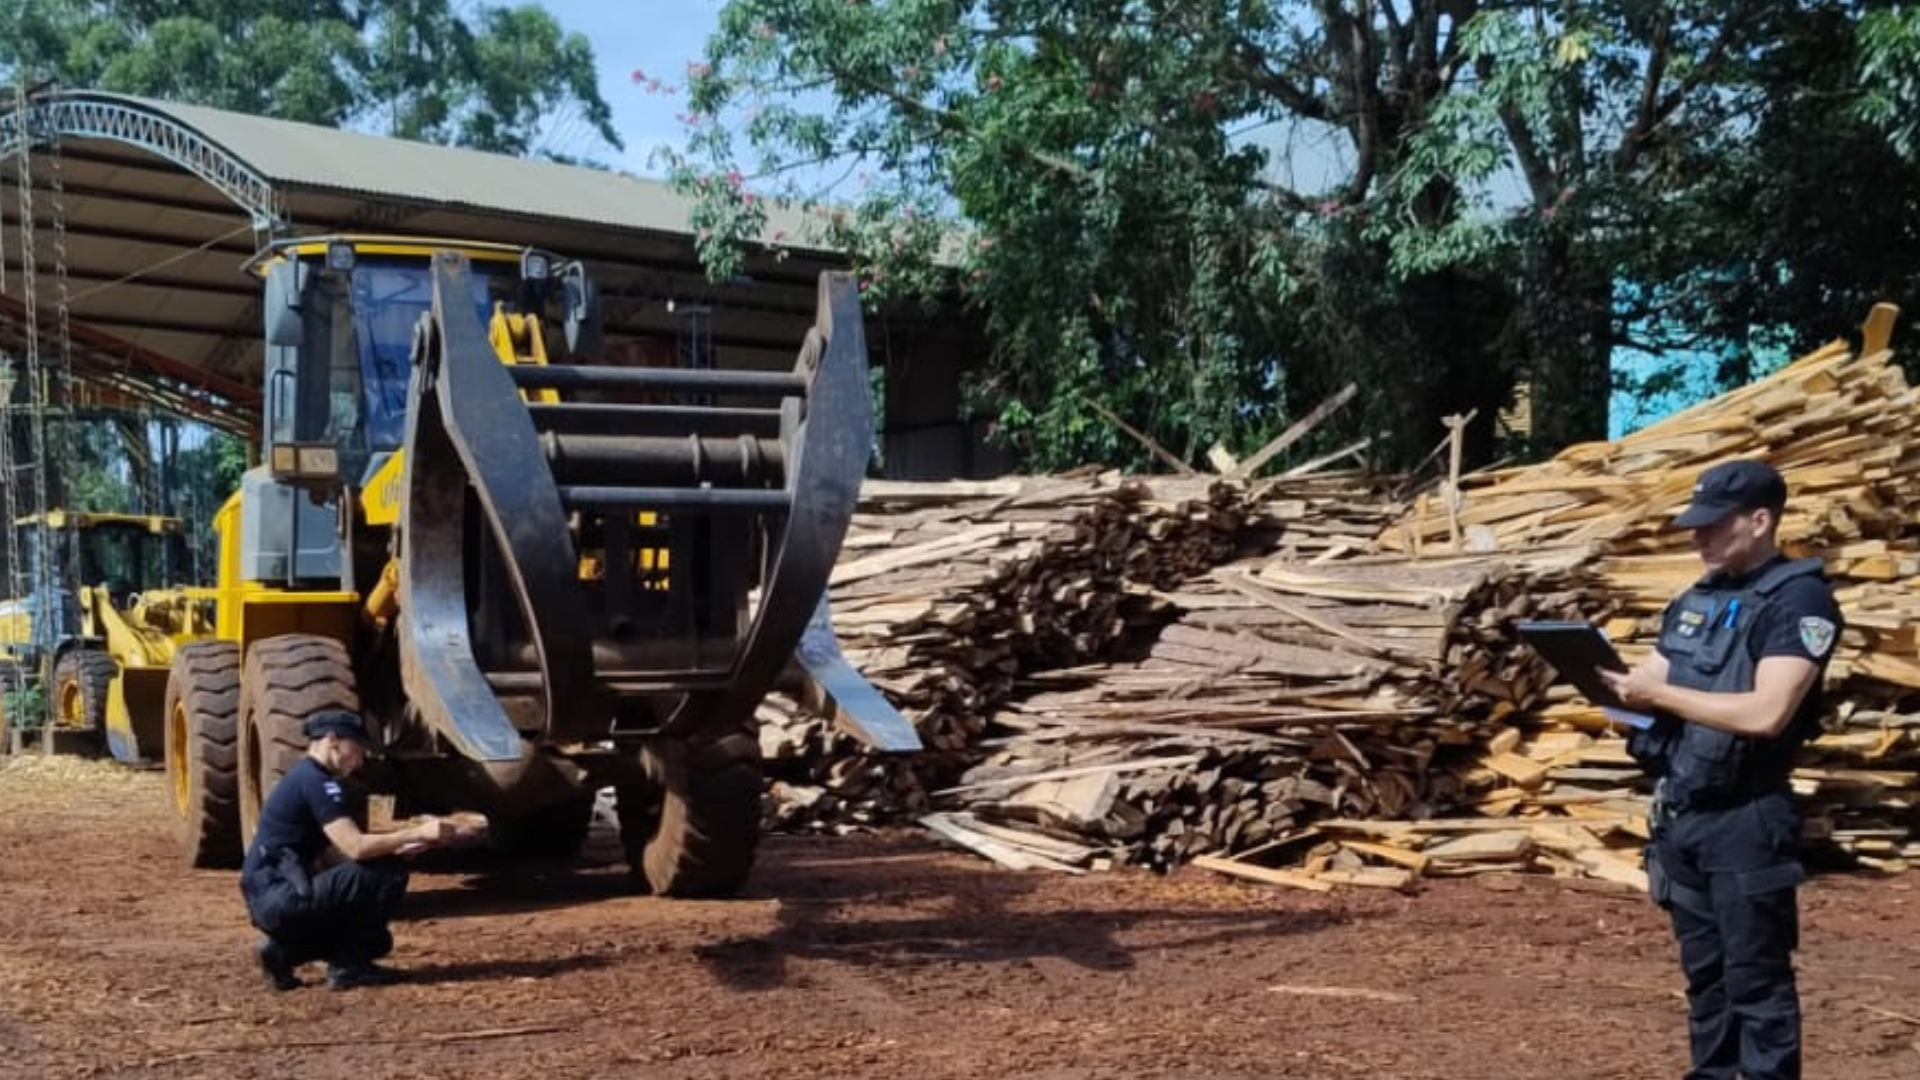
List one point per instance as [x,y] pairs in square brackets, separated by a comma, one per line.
[1206,214]
[500,79]
[1889,72]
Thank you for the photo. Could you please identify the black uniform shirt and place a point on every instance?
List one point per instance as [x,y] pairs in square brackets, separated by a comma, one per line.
[1802,619]
[305,801]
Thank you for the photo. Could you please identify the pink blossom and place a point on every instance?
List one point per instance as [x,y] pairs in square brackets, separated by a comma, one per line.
[698,70]
[703,234]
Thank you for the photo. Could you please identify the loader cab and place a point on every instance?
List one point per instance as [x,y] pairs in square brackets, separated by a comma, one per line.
[340,318]
[126,553]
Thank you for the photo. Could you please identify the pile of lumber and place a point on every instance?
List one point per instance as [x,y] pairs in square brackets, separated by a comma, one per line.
[1559,784]
[1306,681]
[1844,429]
[948,595]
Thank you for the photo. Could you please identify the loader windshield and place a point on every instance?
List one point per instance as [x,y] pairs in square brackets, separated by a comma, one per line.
[387,299]
[125,557]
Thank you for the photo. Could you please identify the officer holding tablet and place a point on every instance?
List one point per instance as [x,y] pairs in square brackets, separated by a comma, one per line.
[1734,685]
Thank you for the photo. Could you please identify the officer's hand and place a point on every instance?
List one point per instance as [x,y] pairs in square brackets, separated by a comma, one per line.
[432,831]
[1637,687]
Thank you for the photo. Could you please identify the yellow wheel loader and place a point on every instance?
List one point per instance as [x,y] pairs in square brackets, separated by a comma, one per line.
[534,577]
[99,641]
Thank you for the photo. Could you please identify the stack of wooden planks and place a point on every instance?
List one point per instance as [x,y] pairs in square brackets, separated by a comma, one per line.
[946,594]
[1307,681]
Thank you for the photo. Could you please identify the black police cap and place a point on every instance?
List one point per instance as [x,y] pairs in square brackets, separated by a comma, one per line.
[1733,485]
[339,722]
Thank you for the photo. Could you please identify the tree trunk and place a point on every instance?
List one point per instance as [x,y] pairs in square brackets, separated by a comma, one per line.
[1566,323]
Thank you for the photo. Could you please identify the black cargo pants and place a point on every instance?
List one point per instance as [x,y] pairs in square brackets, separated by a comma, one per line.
[339,915]
[1728,879]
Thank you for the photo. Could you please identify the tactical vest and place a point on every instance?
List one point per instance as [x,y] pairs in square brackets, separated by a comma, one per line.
[1707,643]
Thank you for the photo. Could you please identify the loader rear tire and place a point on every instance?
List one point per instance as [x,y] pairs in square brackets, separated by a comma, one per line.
[690,825]
[202,707]
[285,680]
[81,681]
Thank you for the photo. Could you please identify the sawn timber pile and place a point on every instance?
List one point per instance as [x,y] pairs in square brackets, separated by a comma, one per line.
[1341,691]
[947,596]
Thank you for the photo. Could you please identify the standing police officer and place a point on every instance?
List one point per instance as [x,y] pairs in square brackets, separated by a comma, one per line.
[1734,687]
[340,913]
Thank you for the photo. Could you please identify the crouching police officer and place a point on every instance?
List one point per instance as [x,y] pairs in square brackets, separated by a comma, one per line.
[340,913]
[1734,687]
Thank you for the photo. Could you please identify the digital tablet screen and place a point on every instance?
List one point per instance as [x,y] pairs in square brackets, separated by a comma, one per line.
[1579,651]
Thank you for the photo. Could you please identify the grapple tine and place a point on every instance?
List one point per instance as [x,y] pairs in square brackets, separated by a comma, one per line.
[467,427]
[857,706]
[826,462]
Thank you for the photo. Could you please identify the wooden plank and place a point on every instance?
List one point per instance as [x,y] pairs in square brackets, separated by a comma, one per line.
[1266,875]
[1299,429]
[1523,771]
[1142,765]
[1369,877]
[1003,854]
[1393,853]
[1608,865]
[1064,851]
[932,551]
[1508,843]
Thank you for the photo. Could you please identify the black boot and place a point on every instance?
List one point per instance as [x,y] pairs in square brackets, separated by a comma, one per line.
[353,975]
[275,964]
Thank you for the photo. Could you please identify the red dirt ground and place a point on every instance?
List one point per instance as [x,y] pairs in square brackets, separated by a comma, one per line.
[878,956]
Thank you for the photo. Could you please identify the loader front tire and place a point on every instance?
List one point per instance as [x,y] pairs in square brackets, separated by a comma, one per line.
[285,680]
[81,681]
[690,824]
[202,708]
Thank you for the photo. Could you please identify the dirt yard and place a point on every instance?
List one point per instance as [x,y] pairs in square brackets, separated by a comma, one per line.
[877,956]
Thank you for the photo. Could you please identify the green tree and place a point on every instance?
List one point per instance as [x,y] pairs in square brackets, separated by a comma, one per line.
[204,473]
[1791,231]
[1889,71]
[1488,189]
[492,78]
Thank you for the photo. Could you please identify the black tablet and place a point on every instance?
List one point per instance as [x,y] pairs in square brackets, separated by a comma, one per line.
[1579,651]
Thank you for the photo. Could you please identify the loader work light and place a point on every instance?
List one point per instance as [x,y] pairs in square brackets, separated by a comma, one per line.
[340,256]
[305,462]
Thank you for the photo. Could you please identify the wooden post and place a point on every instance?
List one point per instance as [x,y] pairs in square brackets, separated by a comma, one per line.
[1456,446]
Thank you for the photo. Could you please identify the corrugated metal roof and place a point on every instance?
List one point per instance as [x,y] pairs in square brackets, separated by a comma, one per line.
[296,155]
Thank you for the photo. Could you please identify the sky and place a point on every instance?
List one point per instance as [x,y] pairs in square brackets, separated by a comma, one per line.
[658,37]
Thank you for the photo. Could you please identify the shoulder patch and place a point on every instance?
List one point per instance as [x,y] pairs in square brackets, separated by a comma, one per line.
[1816,634]
[332,787]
